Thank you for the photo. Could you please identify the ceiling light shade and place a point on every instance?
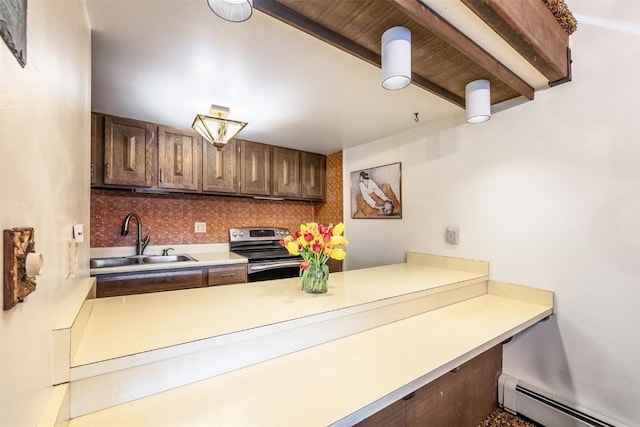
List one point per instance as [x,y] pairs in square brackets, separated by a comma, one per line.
[215,127]
[396,58]
[232,10]
[478,101]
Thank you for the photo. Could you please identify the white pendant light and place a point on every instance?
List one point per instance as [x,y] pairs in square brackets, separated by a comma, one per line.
[216,128]
[478,101]
[232,10]
[396,58]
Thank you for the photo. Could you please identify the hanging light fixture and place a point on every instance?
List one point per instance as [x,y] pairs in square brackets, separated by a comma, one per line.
[232,10]
[396,58]
[215,127]
[478,101]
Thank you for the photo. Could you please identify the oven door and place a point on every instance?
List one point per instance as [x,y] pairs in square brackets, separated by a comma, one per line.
[277,269]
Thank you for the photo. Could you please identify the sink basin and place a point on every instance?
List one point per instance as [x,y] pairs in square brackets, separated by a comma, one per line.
[113,262]
[137,260]
[157,259]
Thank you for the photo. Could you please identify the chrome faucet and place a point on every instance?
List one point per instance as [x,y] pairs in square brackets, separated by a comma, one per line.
[140,244]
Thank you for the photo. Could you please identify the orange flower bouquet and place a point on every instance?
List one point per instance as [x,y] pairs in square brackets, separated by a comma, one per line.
[316,243]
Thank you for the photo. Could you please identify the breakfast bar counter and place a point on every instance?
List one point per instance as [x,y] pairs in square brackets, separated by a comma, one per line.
[268,354]
[122,326]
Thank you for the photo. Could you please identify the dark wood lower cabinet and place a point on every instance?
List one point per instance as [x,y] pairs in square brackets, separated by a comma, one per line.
[109,285]
[226,274]
[460,398]
[140,282]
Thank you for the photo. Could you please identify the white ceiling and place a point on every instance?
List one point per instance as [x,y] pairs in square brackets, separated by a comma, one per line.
[165,61]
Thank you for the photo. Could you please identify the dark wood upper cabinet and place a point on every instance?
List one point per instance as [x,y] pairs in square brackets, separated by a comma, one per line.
[178,159]
[219,168]
[313,180]
[97,145]
[286,172]
[255,168]
[129,152]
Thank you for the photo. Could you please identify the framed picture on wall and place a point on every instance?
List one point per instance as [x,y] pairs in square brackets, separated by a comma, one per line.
[376,192]
[13,27]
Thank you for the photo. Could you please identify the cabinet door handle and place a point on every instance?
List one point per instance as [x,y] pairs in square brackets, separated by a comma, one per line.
[108,167]
[91,169]
[409,396]
[227,275]
[160,175]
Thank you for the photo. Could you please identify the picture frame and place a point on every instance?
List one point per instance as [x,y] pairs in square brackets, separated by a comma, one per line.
[18,243]
[376,192]
[13,28]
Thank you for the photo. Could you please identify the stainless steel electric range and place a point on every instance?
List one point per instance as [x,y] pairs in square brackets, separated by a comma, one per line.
[267,260]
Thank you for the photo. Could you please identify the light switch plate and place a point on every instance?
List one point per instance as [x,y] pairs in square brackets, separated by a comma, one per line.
[78,233]
[200,227]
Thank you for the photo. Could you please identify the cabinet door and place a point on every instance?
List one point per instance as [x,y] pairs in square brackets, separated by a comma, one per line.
[314,172]
[286,172]
[97,149]
[116,284]
[255,168]
[128,152]
[226,274]
[178,159]
[219,168]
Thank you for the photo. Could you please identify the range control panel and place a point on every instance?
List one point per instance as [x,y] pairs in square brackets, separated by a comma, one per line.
[248,234]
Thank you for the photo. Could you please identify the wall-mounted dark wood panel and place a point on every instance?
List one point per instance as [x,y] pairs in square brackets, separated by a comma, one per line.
[531,29]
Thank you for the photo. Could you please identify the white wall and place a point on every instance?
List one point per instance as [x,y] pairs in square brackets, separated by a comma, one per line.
[44,183]
[549,193]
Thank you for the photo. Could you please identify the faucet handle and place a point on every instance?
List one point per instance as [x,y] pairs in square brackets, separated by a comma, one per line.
[165,252]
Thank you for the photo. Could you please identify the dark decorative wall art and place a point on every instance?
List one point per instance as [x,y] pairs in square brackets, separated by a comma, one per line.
[18,243]
[13,27]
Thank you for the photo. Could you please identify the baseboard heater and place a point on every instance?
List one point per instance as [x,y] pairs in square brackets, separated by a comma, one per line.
[525,400]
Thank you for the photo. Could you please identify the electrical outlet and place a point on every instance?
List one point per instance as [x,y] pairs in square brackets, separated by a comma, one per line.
[451,235]
[200,227]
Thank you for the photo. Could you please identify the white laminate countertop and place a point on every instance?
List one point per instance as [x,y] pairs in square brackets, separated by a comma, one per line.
[422,319]
[337,383]
[126,325]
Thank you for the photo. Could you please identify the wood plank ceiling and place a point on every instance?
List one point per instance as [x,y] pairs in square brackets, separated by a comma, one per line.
[444,60]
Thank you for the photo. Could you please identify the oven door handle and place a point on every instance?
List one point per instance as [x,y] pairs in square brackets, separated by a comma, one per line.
[273,265]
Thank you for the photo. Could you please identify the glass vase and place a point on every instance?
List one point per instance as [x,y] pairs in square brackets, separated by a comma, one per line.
[314,279]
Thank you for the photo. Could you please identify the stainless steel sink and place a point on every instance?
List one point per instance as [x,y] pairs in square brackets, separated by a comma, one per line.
[137,260]
[157,259]
[113,262]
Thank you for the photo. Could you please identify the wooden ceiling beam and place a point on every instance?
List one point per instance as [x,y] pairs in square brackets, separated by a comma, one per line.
[301,22]
[443,29]
[531,29]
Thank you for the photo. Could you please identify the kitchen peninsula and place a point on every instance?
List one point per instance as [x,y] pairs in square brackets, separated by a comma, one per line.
[268,354]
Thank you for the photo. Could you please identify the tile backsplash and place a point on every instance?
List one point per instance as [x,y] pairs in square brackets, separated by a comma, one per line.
[331,211]
[171,217]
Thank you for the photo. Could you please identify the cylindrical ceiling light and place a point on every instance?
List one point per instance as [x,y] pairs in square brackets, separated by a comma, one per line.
[396,58]
[478,101]
[232,10]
